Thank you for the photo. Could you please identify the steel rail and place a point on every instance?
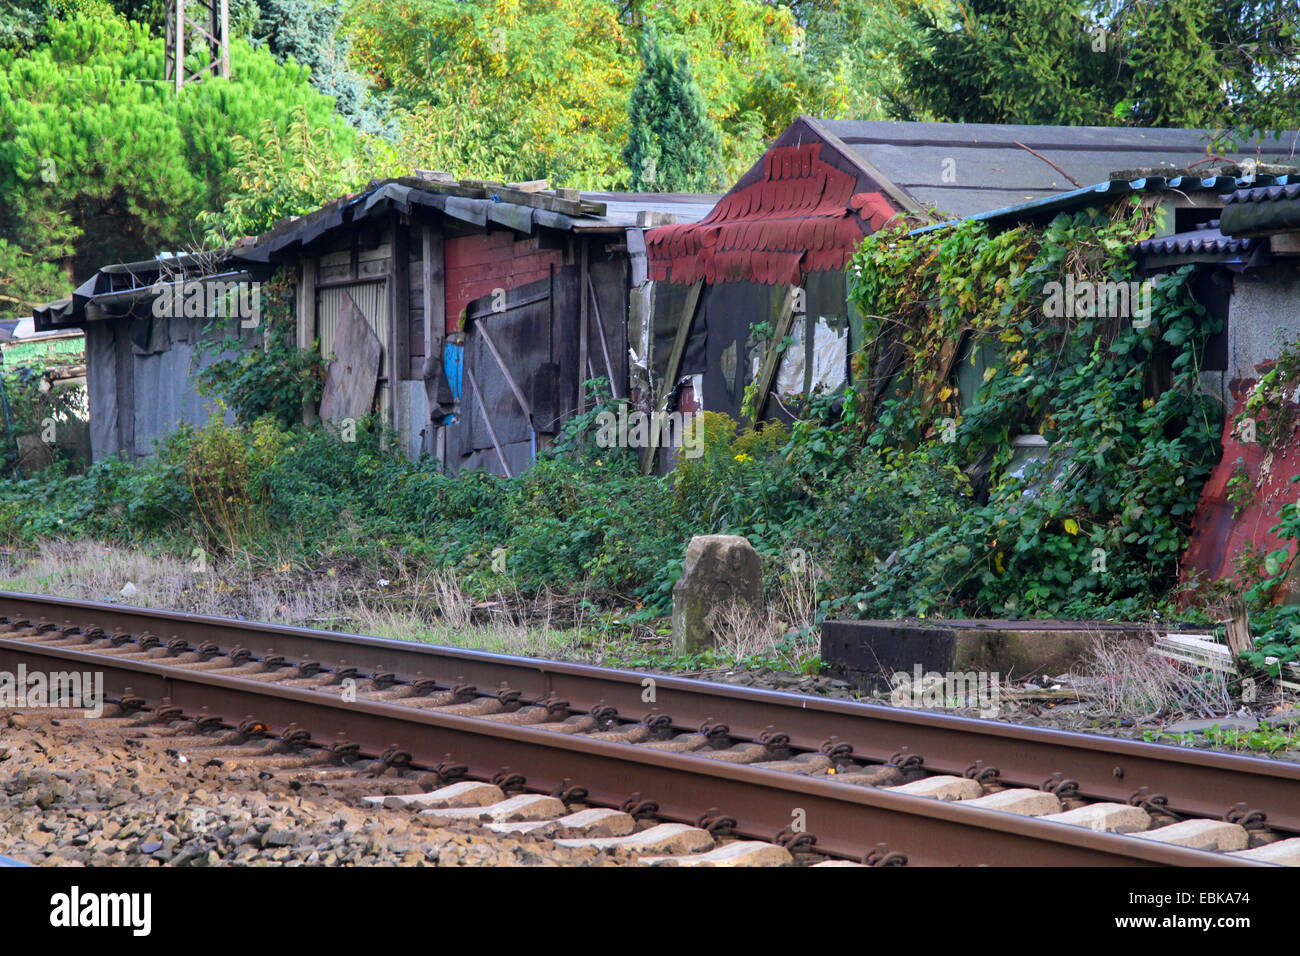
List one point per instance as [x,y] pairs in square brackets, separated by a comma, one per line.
[1186,781]
[848,821]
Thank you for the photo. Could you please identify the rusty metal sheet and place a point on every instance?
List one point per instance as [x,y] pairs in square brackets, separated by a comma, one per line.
[1218,537]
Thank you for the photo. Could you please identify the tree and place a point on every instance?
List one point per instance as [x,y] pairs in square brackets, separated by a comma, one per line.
[1214,64]
[672,145]
[102,161]
[308,32]
[502,89]
[850,51]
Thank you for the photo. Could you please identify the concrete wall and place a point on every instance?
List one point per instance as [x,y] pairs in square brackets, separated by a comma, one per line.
[1263,318]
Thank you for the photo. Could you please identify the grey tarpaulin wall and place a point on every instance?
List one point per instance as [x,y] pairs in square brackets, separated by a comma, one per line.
[139,379]
[723,349]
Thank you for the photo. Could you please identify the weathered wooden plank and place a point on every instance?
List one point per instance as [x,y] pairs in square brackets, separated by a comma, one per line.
[604,344]
[306,330]
[584,280]
[566,202]
[401,303]
[487,420]
[772,357]
[353,370]
[372,268]
[481,329]
[338,274]
[434,324]
[670,374]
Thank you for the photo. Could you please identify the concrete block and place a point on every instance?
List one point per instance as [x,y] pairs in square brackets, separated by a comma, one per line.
[1107,817]
[1201,835]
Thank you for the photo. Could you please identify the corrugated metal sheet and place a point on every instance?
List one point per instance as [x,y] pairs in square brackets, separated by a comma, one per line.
[372,299]
[1208,240]
[1265,194]
[1046,207]
[1263,210]
[969,168]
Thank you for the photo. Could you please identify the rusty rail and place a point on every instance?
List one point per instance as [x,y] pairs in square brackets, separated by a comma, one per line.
[683,786]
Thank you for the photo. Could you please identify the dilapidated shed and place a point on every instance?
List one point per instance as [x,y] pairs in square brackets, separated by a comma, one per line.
[1249,261]
[466,315]
[491,304]
[142,354]
[765,270]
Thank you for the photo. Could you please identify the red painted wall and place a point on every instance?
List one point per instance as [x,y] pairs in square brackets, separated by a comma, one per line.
[1219,534]
[478,264]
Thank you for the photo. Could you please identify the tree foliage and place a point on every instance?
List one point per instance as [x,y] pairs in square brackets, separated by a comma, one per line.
[1213,64]
[516,89]
[672,145]
[309,32]
[102,162]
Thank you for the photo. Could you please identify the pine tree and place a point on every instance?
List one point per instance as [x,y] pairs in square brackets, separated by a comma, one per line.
[102,162]
[673,145]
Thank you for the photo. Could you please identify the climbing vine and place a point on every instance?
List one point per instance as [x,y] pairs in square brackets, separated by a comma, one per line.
[1086,438]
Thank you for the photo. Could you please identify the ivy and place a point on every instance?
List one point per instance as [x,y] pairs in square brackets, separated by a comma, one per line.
[1099,523]
[273,378]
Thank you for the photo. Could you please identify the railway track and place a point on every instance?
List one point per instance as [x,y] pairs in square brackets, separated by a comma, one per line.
[817,778]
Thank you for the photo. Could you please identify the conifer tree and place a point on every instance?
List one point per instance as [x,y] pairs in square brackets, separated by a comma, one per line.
[101,161]
[673,145]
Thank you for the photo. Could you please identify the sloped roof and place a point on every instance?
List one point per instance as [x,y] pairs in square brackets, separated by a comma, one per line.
[1263,209]
[968,168]
[803,207]
[824,184]
[624,207]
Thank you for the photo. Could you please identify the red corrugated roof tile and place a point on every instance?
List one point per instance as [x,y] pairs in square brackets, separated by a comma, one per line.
[802,215]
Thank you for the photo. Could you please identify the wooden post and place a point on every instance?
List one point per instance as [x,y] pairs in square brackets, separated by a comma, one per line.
[1239,639]
[604,345]
[670,375]
[306,332]
[306,319]
[772,358]
[400,299]
[583,279]
[435,327]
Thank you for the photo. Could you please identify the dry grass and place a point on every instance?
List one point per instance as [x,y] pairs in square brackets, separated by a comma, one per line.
[432,608]
[1126,677]
[444,614]
[744,632]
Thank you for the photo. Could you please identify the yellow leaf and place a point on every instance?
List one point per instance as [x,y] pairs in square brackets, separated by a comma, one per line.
[1071,526]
